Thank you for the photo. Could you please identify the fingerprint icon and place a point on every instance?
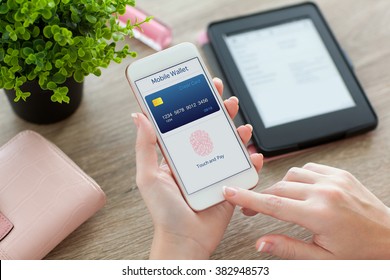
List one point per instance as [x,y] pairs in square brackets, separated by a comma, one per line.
[201,143]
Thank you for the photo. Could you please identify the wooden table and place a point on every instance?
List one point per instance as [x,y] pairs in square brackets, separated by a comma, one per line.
[100,136]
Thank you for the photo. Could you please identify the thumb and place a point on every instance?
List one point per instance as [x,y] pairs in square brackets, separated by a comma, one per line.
[286,247]
[145,149]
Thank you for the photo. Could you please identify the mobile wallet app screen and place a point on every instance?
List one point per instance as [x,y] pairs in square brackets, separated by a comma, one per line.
[194,129]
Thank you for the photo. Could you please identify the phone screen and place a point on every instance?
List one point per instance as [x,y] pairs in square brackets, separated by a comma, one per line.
[194,129]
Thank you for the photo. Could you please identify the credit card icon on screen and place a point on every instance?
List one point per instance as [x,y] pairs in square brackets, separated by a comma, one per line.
[157,102]
[185,102]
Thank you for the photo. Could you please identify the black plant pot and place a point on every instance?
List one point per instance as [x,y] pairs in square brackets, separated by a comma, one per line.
[40,109]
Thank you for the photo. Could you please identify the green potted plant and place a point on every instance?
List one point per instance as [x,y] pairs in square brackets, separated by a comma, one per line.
[47,47]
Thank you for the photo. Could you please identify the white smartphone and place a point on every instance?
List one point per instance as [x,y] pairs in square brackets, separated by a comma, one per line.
[195,133]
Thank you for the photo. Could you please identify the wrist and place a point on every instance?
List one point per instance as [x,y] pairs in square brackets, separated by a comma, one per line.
[384,240]
[173,246]
[385,248]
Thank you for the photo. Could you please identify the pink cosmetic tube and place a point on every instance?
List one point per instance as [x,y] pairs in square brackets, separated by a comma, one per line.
[154,33]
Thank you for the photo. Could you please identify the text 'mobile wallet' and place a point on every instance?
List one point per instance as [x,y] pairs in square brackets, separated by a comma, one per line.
[44,196]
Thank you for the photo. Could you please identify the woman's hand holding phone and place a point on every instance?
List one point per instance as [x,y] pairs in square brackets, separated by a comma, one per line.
[179,232]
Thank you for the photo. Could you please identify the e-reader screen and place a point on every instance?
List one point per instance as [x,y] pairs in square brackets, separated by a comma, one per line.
[288,72]
[296,85]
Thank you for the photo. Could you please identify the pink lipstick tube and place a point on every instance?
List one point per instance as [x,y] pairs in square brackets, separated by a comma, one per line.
[154,33]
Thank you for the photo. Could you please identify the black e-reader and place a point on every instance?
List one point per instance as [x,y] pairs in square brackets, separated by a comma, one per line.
[295,84]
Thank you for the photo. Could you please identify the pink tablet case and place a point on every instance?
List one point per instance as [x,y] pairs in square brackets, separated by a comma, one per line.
[44,196]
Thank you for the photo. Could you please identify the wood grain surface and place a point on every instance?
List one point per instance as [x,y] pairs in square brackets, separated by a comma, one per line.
[100,136]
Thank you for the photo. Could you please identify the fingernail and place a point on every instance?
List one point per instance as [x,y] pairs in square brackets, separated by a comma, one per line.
[264,247]
[235,98]
[135,119]
[249,126]
[217,79]
[229,192]
[260,155]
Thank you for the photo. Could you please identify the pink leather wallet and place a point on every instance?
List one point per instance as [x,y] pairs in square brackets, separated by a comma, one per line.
[44,196]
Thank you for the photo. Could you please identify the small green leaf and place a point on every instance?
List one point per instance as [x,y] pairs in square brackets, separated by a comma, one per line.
[9,28]
[121,10]
[106,33]
[60,95]
[46,14]
[48,45]
[13,36]
[25,95]
[55,29]
[51,85]
[20,29]
[78,76]
[19,17]
[31,76]
[63,72]
[9,85]
[75,18]
[39,45]
[63,90]
[97,72]
[59,39]
[4,9]
[85,66]
[58,78]
[12,4]
[26,36]
[117,37]
[27,51]
[47,31]
[59,63]
[52,4]
[87,56]
[20,94]
[54,98]
[91,18]
[40,60]
[31,59]
[48,66]
[66,99]
[16,68]
[36,31]
[81,52]
[43,78]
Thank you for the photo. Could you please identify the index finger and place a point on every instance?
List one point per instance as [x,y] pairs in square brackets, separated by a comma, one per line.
[285,209]
[219,85]
[145,148]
